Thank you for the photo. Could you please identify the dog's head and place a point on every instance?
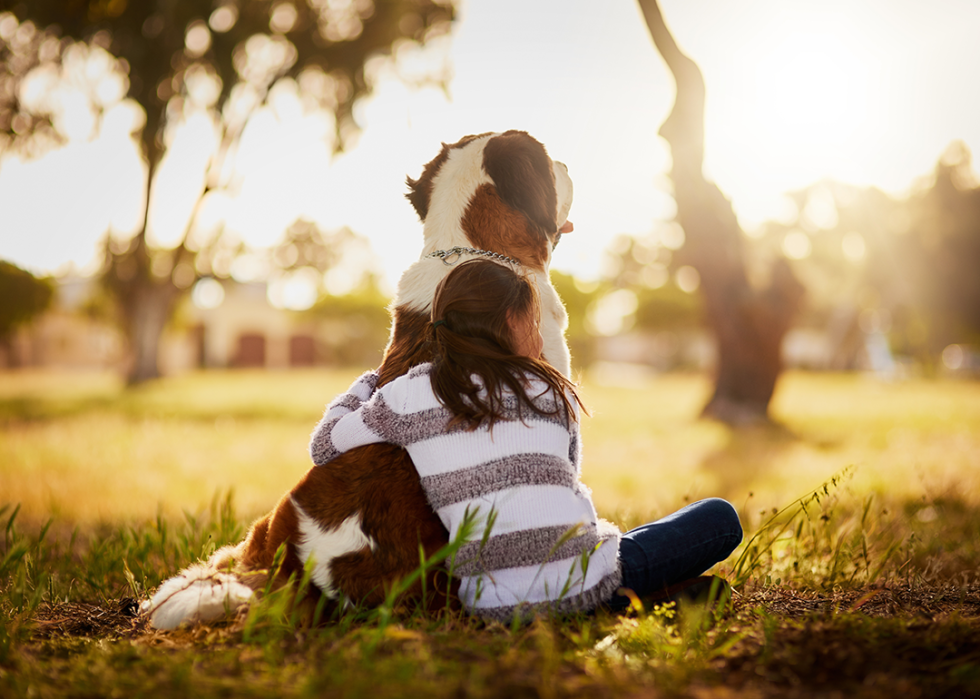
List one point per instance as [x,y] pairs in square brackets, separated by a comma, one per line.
[499,193]
[494,192]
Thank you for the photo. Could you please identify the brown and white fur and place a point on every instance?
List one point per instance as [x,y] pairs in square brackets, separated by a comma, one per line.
[363,516]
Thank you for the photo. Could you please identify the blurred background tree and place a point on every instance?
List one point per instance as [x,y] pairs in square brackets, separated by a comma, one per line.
[174,60]
[749,320]
[646,266]
[355,324]
[944,243]
[22,297]
[578,298]
[900,268]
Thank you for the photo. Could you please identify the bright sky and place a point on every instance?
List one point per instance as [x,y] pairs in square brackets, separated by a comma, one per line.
[863,91]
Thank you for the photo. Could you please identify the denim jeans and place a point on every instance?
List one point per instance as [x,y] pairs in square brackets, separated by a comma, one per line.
[678,547]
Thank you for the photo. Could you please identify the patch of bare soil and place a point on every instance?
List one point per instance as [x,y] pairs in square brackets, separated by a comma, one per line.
[112,618]
[896,601]
[878,642]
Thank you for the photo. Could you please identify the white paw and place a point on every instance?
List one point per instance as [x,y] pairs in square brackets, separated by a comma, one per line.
[196,595]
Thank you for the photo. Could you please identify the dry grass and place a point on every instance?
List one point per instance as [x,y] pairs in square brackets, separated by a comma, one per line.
[867,586]
[79,447]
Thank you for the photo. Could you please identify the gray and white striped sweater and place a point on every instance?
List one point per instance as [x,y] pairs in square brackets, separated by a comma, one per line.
[546,547]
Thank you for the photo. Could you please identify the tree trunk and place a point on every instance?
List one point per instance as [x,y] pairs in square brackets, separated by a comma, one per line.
[748,323]
[9,349]
[146,300]
[146,304]
[152,306]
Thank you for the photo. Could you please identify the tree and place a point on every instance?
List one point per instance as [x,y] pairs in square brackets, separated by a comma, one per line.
[577,298]
[24,297]
[357,324]
[748,322]
[643,265]
[874,264]
[224,59]
[352,314]
[944,242]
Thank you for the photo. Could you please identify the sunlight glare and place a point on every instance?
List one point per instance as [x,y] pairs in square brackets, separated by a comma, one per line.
[75,118]
[87,78]
[208,293]
[687,279]
[283,18]
[203,86]
[263,57]
[671,236]
[853,247]
[180,180]
[820,211]
[357,259]
[283,158]
[296,291]
[654,276]
[954,357]
[797,245]
[613,313]
[210,220]
[198,39]
[811,92]
[76,194]
[124,118]
[809,98]
[223,18]
[250,267]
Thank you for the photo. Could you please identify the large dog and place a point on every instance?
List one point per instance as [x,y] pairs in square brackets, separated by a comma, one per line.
[363,517]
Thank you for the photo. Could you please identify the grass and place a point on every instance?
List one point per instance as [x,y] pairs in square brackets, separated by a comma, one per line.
[857,576]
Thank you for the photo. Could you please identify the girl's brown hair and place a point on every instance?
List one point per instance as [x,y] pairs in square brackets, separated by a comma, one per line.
[472,336]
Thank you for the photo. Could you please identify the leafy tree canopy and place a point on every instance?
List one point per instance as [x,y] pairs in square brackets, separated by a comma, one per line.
[239,47]
[24,296]
[177,58]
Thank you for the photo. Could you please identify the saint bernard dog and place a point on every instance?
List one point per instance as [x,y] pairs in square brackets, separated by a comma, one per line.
[363,517]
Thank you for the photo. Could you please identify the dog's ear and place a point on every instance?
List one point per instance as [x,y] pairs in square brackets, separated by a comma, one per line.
[420,190]
[522,173]
[418,195]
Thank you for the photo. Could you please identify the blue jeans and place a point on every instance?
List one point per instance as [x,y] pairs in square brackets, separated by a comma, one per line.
[678,547]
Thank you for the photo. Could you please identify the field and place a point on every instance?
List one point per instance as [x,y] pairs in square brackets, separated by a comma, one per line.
[857,576]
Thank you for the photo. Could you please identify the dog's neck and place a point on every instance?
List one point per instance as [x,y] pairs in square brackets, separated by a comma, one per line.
[451,256]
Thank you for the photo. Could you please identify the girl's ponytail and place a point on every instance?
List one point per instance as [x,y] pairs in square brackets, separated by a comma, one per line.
[475,356]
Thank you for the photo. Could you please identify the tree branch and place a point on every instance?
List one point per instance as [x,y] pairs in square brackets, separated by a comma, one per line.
[684,127]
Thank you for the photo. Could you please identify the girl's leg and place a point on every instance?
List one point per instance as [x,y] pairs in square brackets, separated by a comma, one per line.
[678,547]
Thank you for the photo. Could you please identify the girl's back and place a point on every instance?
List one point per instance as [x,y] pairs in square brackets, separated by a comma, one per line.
[493,432]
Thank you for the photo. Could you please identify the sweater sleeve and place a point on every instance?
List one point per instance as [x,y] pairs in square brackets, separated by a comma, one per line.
[574,440]
[345,407]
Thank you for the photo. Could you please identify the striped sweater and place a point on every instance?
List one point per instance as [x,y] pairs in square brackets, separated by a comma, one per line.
[546,549]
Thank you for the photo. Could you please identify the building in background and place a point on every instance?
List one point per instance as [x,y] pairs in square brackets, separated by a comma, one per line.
[241,330]
[69,335]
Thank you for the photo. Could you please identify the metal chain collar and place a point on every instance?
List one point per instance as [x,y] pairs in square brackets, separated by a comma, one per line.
[451,256]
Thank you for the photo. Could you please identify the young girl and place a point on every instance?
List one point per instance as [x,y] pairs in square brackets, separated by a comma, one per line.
[493,432]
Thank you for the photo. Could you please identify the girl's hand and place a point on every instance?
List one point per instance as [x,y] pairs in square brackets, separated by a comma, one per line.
[363,388]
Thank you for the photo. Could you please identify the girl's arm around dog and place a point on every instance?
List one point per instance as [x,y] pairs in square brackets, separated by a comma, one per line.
[402,412]
[322,448]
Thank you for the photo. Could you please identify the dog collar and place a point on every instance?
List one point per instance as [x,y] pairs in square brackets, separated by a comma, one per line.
[452,255]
